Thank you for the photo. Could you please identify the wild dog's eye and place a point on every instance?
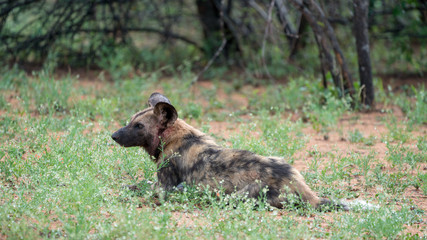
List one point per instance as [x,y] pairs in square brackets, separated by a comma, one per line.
[139,126]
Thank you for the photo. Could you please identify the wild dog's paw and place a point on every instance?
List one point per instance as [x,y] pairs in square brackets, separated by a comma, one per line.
[180,187]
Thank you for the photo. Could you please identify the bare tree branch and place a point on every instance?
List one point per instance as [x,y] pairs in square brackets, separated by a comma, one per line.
[325,33]
[288,27]
[339,56]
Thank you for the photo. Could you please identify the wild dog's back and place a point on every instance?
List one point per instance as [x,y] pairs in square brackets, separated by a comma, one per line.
[199,160]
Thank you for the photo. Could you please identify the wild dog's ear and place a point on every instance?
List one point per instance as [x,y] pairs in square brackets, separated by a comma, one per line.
[156,98]
[166,113]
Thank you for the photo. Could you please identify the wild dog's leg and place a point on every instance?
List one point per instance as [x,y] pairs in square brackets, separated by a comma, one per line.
[168,177]
[251,190]
[298,185]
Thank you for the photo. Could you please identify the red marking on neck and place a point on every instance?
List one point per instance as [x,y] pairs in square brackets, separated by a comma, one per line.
[167,133]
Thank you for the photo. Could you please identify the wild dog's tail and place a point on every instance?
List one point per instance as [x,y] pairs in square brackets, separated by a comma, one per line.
[299,185]
[327,205]
[360,204]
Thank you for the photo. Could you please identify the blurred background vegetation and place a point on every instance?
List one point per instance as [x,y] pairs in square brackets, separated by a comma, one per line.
[253,40]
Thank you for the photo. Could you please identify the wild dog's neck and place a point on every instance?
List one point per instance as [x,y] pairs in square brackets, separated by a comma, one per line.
[171,137]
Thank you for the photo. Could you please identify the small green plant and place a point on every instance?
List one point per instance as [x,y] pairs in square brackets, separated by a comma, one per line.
[316,161]
[364,164]
[355,136]
[370,141]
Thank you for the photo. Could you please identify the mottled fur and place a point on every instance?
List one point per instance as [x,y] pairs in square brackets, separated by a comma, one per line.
[194,158]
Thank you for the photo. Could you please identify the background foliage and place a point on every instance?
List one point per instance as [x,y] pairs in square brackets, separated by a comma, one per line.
[126,35]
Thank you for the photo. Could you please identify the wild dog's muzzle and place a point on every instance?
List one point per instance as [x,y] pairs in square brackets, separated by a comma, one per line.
[121,137]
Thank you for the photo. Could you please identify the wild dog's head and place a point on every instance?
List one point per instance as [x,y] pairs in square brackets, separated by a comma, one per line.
[145,127]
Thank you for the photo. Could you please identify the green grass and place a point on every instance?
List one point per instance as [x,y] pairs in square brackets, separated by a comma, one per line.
[61,175]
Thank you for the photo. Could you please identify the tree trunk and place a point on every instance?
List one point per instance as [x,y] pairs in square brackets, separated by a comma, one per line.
[423,10]
[362,44]
[300,41]
[283,16]
[210,18]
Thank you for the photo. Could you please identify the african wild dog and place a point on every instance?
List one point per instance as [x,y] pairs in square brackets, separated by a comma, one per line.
[194,158]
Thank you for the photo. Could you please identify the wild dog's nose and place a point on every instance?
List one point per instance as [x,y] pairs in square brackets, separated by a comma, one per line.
[115,136]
